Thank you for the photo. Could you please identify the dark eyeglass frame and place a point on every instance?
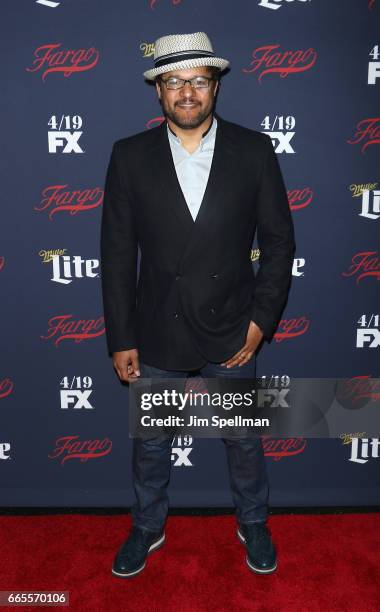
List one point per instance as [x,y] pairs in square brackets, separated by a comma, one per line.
[184,81]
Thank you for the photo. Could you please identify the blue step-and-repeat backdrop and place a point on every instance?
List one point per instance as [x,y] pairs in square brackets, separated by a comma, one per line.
[306,72]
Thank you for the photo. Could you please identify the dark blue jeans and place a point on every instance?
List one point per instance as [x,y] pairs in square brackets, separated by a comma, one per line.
[151,463]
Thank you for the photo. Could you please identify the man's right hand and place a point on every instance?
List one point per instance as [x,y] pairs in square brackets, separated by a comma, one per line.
[126,364]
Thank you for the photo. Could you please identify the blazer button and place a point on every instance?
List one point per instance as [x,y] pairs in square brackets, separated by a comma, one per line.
[216,275]
[212,310]
[178,277]
[176,315]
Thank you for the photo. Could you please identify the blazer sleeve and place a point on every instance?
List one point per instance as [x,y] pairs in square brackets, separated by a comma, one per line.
[118,254]
[275,239]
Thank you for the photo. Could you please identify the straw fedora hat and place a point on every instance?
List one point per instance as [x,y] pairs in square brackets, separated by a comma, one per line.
[178,51]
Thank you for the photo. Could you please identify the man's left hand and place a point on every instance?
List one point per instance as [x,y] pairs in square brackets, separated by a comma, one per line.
[254,337]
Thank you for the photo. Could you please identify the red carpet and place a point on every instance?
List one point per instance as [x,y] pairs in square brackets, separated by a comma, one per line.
[326,562]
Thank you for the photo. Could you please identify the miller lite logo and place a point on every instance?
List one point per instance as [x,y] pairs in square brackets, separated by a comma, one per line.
[147,49]
[363,449]
[276,4]
[369,199]
[66,267]
[5,448]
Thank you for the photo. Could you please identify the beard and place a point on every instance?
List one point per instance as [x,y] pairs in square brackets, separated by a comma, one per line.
[187,120]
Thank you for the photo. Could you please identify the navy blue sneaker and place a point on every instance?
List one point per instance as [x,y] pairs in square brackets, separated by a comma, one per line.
[261,554]
[131,556]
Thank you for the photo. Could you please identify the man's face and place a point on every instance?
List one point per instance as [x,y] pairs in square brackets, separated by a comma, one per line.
[187,107]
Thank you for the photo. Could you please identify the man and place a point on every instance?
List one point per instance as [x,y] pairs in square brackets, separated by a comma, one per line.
[191,193]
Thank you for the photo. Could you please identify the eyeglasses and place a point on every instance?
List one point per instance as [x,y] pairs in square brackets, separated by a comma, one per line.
[198,82]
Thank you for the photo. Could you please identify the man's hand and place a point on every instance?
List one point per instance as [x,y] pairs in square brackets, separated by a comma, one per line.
[126,364]
[254,337]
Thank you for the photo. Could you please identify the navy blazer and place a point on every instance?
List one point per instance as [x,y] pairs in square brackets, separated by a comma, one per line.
[197,291]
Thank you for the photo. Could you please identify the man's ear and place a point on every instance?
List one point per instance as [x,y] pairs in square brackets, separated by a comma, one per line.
[158,89]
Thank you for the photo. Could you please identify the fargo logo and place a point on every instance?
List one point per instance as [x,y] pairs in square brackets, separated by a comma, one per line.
[51,58]
[291,328]
[268,60]
[2,262]
[367,133]
[278,448]
[56,198]
[70,447]
[6,387]
[65,327]
[154,122]
[152,3]
[357,391]
[300,198]
[365,264]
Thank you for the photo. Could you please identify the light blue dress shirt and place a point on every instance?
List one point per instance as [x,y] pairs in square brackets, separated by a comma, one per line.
[193,169]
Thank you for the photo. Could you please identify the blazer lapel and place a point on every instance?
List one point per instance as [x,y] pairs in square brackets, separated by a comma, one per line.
[219,178]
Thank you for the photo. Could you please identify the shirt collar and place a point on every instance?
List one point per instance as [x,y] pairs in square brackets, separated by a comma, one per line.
[207,136]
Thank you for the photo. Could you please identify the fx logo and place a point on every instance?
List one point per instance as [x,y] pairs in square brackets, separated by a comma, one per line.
[68,140]
[368,336]
[284,139]
[374,66]
[182,456]
[274,398]
[78,398]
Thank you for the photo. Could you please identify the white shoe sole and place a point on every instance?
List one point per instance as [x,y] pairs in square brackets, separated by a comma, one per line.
[152,548]
[258,570]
